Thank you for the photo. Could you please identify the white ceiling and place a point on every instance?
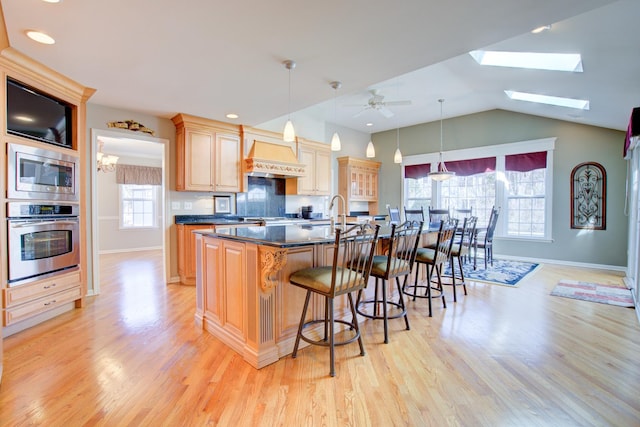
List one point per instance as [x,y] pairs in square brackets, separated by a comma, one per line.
[209,58]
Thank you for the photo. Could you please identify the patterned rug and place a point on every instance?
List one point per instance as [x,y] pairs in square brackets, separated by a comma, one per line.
[594,292]
[503,272]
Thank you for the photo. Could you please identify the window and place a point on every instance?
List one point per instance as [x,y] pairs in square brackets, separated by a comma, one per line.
[417,187]
[476,191]
[516,178]
[526,203]
[138,206]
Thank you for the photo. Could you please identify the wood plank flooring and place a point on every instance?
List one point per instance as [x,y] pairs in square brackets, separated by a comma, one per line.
[500,356]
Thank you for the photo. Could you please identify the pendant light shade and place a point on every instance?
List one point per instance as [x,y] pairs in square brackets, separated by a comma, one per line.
[371,150]
[442,173]
[397,156]
[335,139]
[335,142]
[289,134]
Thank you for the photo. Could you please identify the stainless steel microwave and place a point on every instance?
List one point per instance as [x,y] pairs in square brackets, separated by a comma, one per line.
[39,173]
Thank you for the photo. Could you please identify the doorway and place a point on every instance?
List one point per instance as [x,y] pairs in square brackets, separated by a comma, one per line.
[154,152]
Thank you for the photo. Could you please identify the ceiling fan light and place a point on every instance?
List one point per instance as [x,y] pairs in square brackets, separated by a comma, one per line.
[397,157]
[289,134]
[335,142]
[371,150]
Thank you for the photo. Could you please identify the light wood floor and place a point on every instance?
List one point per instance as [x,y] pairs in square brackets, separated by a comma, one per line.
[499,357]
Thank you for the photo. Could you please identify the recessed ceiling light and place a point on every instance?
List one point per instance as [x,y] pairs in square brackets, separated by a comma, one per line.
[40,37]
[580,104]
[541,29]
[369,124]
[52,1]
[232,116]
[532,60]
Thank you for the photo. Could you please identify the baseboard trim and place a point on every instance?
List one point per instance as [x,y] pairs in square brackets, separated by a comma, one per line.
[118,251]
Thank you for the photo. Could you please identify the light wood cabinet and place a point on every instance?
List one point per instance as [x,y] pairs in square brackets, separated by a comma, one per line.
[317,158]
[25,301]
[187,252]
[208,155]
[358,181]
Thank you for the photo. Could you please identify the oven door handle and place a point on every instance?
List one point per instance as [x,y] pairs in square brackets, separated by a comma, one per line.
[20,224]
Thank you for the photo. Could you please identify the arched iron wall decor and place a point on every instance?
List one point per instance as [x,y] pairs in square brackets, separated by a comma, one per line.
[589,196]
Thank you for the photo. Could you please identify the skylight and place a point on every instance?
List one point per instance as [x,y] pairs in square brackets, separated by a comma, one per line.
[537,61]
[580,104]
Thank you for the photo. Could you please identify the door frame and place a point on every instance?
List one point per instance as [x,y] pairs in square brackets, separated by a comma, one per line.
[93,285]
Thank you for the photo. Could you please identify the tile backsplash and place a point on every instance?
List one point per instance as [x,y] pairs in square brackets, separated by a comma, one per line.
[264,197]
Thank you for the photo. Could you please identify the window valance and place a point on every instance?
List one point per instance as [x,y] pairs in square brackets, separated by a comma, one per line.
[525,162]
[417,171]
[472,166]
[139,175]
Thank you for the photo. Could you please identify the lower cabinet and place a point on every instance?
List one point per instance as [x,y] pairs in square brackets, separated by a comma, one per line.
[24,301]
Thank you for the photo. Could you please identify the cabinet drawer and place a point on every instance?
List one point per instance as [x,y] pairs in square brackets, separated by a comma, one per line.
[24,293]
[23,311]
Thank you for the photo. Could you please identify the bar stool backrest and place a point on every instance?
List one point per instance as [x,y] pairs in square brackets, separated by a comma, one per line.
[353,255]
[403,245]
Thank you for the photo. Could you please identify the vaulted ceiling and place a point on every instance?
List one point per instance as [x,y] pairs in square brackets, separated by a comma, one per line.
[208,58]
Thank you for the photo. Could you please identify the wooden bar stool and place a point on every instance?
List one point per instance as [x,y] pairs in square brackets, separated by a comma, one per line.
[398,262]
[353,255]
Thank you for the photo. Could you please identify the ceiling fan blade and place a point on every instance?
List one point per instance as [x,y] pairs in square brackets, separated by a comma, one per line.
[385,112]
[392,103]
[361,112]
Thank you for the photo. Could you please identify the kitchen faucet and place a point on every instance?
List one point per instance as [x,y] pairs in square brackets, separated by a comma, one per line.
[343,223]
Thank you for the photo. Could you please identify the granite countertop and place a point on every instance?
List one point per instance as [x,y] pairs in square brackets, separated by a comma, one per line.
[209,220]
[284,236]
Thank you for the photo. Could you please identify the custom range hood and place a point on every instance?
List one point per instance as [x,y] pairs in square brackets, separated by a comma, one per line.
[269,156]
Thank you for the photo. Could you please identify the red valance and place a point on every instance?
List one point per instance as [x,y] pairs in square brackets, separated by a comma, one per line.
[417,171]
[526,162]
[472,166]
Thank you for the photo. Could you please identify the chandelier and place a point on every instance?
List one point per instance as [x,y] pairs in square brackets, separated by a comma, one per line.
[106,162]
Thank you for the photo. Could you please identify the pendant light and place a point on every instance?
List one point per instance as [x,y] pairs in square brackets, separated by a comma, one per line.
[371,150]
[289,134]
[442,173]
[397,157]
[335,139]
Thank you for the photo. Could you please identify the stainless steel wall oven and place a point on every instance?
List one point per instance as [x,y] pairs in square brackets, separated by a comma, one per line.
[43,239]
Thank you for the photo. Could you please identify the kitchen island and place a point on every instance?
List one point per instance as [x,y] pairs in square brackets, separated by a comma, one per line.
[243,293]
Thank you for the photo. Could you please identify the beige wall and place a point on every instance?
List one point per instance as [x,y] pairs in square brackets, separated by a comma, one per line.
[575,144]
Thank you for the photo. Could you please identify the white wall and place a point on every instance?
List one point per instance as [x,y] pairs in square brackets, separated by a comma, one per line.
[112,237]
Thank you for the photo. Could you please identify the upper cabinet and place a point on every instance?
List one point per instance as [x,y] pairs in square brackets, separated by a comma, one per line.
[317,181]
[208,155]
[358,181]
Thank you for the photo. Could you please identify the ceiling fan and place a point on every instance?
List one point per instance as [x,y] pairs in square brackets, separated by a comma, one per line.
[377,103]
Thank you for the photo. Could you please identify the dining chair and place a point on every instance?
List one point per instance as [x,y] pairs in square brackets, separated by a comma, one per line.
[398,261]
[414,215]
[436,215]
[433,259]
[353,255]
[460,249]
[394,215]
[484,240]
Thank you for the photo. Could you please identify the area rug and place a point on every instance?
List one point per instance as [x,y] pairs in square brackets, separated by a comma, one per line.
[502,272]
[594,292]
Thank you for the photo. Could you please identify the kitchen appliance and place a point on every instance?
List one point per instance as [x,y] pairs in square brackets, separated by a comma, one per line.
[307,211]
[38,173]
[43,239]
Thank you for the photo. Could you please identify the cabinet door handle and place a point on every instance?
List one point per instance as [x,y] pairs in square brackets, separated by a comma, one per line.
[53,285]
[50,302]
